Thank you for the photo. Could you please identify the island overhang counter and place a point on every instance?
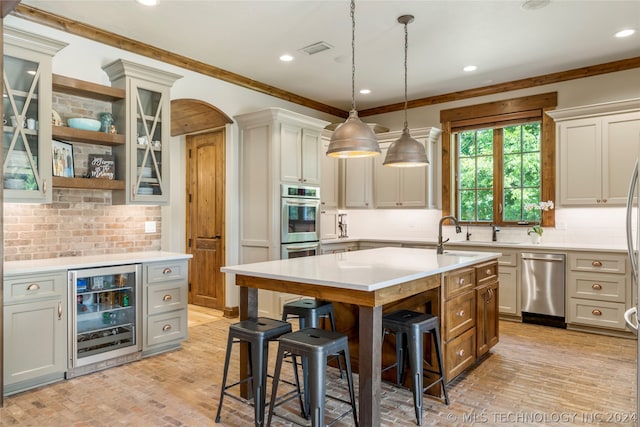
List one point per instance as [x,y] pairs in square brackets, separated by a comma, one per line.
[369,280]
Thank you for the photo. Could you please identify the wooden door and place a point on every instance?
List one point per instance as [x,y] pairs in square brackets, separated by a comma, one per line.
[205,217]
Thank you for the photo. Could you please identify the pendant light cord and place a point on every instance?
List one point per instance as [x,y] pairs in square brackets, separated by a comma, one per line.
[406,48]
[353,55]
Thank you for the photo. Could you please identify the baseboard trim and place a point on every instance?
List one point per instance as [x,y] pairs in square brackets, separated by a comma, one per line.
[231,312]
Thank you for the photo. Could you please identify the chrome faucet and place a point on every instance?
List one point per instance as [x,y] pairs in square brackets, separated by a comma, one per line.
[494,231]
[441,242]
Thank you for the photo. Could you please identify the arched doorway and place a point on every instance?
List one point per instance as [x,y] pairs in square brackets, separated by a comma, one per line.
[205,169]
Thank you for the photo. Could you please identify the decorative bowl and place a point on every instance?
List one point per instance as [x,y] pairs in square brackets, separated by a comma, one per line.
[84,124]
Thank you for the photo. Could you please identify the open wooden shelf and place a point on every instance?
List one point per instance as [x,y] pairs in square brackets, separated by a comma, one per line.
[88,183]
[86,89]
[66,133]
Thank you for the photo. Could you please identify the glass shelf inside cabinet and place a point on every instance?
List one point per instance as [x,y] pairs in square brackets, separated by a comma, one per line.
[149,143]
[20,125]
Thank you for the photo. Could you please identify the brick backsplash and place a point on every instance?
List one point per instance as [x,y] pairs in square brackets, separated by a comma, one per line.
[78,222]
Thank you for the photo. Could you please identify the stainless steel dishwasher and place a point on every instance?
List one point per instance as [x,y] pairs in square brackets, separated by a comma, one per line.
[543,283]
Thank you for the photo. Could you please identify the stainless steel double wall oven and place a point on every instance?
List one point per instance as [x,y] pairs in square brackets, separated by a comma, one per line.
[300,225]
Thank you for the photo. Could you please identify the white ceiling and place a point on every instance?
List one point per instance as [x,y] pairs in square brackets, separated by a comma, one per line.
[505,41]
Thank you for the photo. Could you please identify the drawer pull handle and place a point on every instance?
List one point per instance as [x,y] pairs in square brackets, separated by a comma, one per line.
[167,271]
[166,328]
[596,312]
[33,287]
[596,286]
[59,310]
[461,281]
[460,353]
[596,264]
[460,313]
[489,272]
[167,298]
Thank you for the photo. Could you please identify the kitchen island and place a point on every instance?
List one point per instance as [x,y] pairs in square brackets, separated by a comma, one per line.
[377,278]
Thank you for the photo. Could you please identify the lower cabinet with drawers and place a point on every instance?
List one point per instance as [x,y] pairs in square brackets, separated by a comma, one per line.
[598,290]
[164,312]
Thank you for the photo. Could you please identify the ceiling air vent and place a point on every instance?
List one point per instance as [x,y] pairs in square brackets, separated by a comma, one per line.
[316,48]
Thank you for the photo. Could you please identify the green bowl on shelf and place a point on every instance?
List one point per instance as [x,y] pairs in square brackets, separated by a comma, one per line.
[84,124]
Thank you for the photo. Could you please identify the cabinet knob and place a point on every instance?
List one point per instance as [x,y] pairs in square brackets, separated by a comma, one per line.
[33,287]
[489,272]
[166,328]
[461,281]
[596,312]
[598,201]
[167,271]
[596,264]
[596,286]
[604,200]
[167,298]
[460,313]
[460,353]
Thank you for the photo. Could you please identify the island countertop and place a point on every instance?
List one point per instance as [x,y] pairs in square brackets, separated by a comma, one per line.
[366,270]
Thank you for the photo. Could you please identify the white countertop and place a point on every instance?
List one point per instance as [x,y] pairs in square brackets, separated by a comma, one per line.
[71,263]
[366,270]
[544,246]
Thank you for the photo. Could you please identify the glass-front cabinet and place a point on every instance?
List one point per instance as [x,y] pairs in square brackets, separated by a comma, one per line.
[104,329]
[148,124]
[27,116]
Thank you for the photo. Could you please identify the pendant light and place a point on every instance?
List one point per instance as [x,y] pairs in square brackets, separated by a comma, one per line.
[406,151]
[353,138]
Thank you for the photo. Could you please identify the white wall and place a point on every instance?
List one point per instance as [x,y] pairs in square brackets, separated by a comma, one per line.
[83,59]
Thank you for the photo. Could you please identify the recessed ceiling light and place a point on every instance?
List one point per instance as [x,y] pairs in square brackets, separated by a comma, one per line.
[365,91]
[533,4]
[148,2]
[625,33]
[286,58]
[470,68]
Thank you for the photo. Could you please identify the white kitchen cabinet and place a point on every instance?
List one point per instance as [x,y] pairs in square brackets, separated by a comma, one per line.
[395,187]
[597,148]
[330,167]
[164,310]
[27,100]
[598,290]
[357,179]
[272,145]
[299,154]
[35,330]
[147,120]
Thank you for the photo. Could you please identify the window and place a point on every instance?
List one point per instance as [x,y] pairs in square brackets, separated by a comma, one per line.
[518,146]
[497,158]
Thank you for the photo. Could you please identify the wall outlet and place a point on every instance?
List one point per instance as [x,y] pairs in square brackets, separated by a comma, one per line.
[149,226]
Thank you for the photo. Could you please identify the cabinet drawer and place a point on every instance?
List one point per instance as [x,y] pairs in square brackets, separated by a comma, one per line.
[597,313]
[602,287]
[460,353]
[459,314]
[459,281]
[166,297]
[164,328]
[32,286]
[166,271]
[508,258]
[598,262]
[487,272]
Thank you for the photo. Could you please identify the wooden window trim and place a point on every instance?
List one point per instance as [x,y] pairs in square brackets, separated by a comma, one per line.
[500,113]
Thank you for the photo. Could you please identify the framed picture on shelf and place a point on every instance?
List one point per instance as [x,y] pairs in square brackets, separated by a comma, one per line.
[62,155]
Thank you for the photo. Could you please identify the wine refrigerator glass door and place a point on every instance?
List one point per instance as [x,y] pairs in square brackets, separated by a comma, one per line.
[106,317]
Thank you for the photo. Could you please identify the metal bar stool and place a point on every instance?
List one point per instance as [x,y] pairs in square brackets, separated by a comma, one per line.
[316,345]
[309,311]
[409,328]
[257,333]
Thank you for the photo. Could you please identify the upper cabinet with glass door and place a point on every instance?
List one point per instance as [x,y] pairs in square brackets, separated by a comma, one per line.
[27,116]
[148,123]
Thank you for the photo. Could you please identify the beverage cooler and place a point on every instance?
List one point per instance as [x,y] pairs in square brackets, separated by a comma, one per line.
[104,326]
